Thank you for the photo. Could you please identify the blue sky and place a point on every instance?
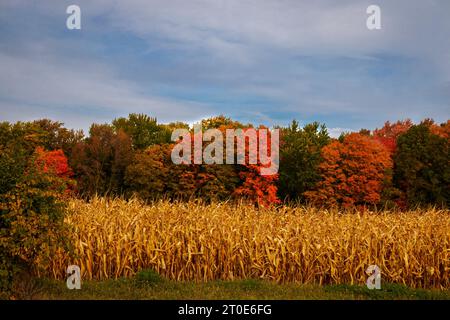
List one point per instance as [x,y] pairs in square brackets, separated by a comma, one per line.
[265,62]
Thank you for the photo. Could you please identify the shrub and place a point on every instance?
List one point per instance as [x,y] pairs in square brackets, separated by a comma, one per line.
[31,216]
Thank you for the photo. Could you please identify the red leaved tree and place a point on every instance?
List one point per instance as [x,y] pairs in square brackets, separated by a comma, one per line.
[389,133]
[55,163]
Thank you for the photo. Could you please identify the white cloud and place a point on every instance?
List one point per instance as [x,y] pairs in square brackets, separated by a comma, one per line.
[64,83]
[336,132]
[308,27]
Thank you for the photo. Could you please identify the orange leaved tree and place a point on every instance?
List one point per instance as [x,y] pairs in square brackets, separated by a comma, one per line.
[353,172]
[256,187]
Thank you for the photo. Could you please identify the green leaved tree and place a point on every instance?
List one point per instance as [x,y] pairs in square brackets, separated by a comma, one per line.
[300,156]
[422,166]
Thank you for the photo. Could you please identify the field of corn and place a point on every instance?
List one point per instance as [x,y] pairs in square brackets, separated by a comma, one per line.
[199,242]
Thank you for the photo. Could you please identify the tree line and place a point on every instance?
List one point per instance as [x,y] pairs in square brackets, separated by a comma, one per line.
[401,164]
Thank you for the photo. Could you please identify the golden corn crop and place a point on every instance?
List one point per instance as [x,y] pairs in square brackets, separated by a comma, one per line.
[194,241]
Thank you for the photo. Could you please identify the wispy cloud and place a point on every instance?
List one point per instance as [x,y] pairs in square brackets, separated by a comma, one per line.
[267,61]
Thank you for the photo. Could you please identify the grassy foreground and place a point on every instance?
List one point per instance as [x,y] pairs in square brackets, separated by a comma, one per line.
[132,288]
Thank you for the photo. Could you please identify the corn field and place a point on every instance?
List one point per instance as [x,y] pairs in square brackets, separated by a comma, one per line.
[194,241]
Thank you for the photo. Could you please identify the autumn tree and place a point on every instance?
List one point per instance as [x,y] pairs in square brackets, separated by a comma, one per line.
[143,130]
[365,132]
[51,135]
[148,172]
[300,156]
[100,161]
[422,169]
[153,175]
[17,144]
[54,136]
[390,132]
[53,161]
[33,185]
[210,181]
[222,122]
[353,172]
[442,130]
[252,185]
[259,189]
